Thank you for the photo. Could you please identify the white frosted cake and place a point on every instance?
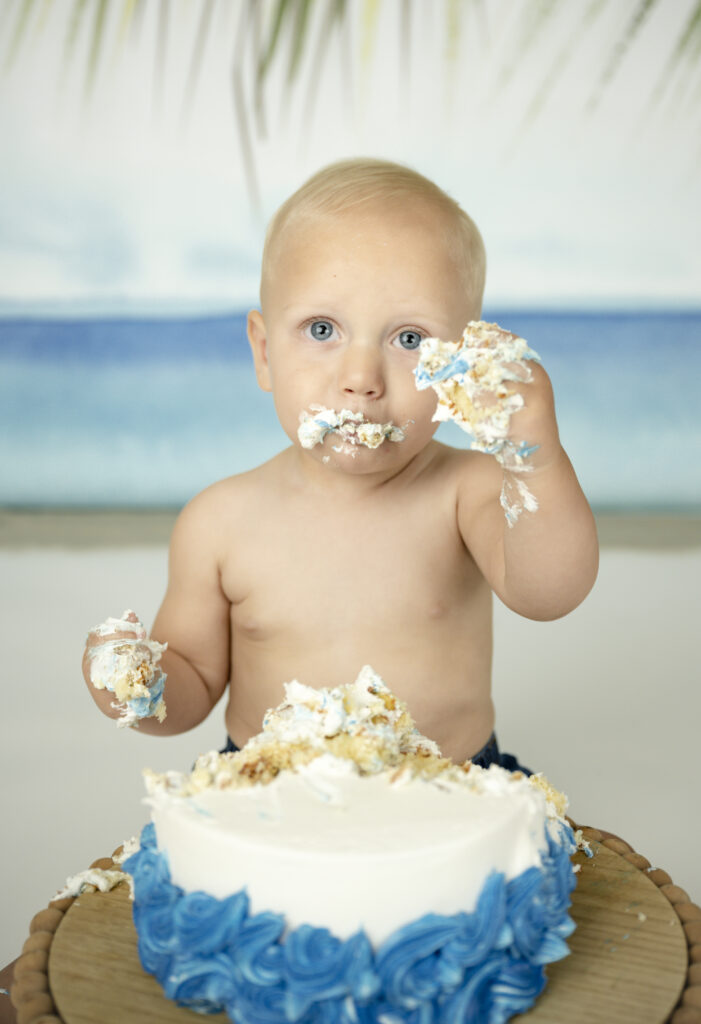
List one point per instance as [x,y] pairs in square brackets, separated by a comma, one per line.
[337,869]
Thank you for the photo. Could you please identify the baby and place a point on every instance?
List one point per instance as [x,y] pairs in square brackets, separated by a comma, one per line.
[366,541]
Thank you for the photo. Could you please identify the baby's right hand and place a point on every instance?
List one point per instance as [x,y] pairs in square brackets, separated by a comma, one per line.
[128,627]
[120,658]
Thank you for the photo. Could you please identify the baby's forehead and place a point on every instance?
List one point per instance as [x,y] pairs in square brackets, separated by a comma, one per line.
[373,218]
[415,223]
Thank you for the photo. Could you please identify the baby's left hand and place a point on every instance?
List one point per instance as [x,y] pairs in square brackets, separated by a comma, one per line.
[535,423]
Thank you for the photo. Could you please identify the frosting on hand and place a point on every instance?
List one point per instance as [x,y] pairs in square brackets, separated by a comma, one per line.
[462,373]
[128,667]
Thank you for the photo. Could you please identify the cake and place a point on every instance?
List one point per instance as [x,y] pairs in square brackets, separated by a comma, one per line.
[339,869]
[352,428]
[472,378]
[126,663]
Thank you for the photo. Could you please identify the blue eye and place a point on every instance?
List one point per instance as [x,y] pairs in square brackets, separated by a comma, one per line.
[410,339]
[320,330]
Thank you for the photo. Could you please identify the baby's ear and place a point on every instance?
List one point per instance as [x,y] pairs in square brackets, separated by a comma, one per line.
[259,347]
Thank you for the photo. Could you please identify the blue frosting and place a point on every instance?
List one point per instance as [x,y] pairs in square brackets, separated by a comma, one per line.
[460,364]
[146,706]
[476,968]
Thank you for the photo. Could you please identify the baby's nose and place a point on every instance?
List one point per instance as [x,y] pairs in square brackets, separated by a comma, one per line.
[361,371]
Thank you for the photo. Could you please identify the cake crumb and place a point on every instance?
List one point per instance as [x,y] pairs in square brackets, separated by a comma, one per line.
[90,880]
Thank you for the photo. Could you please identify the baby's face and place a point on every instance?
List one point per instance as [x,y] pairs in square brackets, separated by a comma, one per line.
[348,299]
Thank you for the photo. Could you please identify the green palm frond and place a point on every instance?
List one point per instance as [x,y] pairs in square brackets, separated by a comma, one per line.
[686,53]
[620,49]
[330,23]
[371,12]
[562,59]
[161,53]
[299,37]
[203,30]
[100,7]
[295,34]
[17,36]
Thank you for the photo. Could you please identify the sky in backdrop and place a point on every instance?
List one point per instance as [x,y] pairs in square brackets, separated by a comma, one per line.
[133,196]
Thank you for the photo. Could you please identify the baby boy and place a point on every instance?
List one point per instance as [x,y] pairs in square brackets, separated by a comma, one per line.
[373,544]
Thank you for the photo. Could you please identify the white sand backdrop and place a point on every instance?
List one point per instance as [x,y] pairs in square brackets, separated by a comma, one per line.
[606,701]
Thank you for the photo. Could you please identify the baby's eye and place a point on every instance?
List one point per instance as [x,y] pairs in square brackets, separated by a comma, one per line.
[409,339]
[320,330]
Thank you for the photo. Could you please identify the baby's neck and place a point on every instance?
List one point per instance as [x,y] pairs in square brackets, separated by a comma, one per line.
[332,481]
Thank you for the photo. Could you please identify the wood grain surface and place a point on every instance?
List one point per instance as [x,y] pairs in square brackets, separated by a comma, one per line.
[628,962]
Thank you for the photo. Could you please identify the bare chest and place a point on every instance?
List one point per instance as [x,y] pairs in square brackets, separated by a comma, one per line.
[366,571]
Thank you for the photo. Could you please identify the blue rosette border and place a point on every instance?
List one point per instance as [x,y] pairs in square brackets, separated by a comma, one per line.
[466,968]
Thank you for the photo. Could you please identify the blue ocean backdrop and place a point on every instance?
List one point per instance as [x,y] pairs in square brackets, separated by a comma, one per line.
[143,413]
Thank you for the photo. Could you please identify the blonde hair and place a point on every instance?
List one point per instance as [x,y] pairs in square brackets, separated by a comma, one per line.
[350,183]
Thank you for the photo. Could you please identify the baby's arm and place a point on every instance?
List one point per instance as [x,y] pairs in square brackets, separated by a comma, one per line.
[545,564]
[194,622]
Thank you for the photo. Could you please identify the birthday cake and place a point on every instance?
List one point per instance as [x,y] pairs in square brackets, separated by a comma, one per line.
[339,869]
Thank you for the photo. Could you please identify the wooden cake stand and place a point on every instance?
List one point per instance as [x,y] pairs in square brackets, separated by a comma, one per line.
[635,955]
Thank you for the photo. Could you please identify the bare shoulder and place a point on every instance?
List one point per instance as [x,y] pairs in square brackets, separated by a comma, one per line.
[472,479]
[470,472]
[212,516]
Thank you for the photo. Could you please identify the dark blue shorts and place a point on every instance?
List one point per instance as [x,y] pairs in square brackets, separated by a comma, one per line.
[489,754]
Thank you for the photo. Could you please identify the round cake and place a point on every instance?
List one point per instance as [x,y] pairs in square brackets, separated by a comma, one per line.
[339,869]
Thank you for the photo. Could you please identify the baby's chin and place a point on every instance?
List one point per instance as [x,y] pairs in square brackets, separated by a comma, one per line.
[354,458]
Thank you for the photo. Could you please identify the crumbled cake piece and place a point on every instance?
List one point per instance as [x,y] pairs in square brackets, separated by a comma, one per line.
[554,797]
[361,725]
[463,374]
[128,666]
[352,428]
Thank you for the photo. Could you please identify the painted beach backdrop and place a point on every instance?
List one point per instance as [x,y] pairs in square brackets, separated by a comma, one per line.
[146,412]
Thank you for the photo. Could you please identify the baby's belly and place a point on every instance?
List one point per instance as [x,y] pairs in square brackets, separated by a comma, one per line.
[444,676]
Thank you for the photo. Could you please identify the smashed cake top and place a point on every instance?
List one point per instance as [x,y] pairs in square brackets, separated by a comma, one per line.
[361,727]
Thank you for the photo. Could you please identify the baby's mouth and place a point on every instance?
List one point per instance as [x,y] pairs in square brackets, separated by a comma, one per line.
[352,427]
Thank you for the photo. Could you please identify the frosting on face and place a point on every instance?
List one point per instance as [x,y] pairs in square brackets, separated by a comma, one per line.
[352,428]
[463,373]
[128,667]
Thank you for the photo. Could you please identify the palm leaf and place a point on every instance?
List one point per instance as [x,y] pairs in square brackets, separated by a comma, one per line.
[299,38]
[268,30]
[96,42]
[687,50]
[562,60]
[17,37]
[265,59]
[371,11]
[241,106]
[161,54]
[533,23]
[621,48]
[205,22]
[333,20]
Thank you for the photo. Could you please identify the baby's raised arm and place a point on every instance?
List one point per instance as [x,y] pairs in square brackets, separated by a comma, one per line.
[522,513]
[193,622]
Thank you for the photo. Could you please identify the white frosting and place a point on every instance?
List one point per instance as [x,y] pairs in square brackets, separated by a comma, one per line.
[127,666]
[364,826]
[98,878]
[329,847]
[126,624]
[352,428]
[482,363]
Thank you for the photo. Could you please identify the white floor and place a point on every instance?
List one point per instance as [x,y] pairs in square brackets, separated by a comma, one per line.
[607,702]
